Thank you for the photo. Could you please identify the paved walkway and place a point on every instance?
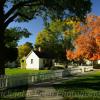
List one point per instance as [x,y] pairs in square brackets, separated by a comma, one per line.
[43,93]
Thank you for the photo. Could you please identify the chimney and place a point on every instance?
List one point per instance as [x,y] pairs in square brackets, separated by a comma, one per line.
[39,49]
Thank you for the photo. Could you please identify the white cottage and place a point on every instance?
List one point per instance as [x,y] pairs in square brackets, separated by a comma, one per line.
[38,60]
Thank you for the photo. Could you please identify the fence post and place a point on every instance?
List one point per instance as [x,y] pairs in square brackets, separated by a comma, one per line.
[6,81]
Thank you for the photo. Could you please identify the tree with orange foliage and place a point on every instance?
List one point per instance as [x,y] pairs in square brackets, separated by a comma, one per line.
[87,44]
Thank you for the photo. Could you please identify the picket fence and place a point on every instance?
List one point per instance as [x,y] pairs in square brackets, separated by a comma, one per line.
[29,79]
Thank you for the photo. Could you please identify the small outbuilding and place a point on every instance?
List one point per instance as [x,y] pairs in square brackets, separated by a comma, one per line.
[38,60]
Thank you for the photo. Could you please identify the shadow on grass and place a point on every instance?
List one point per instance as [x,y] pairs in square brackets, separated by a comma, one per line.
[82,88]
[90,82]
[18,93]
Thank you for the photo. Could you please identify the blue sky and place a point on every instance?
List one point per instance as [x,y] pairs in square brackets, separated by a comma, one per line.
[36,25]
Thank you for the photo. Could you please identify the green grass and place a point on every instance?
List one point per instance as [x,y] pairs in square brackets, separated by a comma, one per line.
[18,71]
[80,87]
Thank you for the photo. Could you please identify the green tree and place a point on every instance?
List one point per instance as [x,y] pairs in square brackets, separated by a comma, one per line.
[13,36]
[58,37]
[23,50]
[25,10]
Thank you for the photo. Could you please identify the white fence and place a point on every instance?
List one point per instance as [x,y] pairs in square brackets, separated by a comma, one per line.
[86,68]
[82,68]
[21,80]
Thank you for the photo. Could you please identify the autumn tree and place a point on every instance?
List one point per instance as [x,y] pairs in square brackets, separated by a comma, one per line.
[23,50]
[71,32]
[25,10]
[87,45]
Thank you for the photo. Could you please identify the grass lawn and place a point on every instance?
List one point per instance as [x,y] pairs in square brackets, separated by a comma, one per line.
[83,88]
[17,71]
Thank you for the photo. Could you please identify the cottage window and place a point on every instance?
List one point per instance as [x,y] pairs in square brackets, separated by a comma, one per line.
[31,61]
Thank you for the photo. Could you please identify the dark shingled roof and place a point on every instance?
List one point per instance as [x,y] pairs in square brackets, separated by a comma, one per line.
[44,54]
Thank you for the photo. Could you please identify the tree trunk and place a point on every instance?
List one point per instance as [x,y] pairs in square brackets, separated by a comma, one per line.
[2,39]
[2,56]
[2,70]
[2,53]
[2,63]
